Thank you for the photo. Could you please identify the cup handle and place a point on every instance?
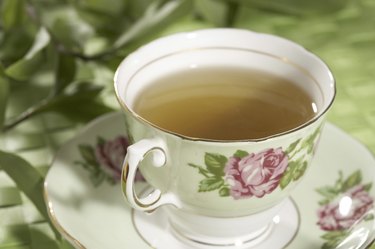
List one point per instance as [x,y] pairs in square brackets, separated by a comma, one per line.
[135,155]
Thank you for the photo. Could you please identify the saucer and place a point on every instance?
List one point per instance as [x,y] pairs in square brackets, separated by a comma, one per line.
[335,201]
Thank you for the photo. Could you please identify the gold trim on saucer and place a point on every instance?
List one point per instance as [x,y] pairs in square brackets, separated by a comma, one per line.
[56,224]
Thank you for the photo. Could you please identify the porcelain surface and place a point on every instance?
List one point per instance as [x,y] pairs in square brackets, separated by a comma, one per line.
[211,176]
[335,200]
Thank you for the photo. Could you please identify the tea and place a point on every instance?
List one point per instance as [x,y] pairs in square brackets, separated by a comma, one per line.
[224,104]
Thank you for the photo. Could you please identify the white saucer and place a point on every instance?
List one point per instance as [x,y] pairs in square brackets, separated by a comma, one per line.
[335,201]
[159,233]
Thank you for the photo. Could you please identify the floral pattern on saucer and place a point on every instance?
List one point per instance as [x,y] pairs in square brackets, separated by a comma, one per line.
[247,174]
[104,160]
[344,205]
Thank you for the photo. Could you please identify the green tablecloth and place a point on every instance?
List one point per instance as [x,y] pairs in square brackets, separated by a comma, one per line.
[345,42]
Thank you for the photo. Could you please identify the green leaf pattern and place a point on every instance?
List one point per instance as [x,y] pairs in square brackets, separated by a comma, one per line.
[213,173]
[103,161]
[210,183]
[337,222]
[215,163]
[298,153]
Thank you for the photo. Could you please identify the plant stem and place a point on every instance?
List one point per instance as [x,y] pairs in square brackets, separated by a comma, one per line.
[201,170]
[232,9]
[33,110]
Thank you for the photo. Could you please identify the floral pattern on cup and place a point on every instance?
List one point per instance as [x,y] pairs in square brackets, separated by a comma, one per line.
[345,204]
[104,160]
[255,174]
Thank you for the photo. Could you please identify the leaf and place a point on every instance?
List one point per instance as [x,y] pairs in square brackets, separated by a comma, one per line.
[42,39]
[79,102]
[339,182]
[369,217]
[23,69]
[67,27]
[210,184]
[4,93]
[240,153]
[88,154]
[324,202]
[107,7]
[211,10]
[308,143]
[65,72]
[215,163]
[135,9]
[64,244]
[27,178]
[300,171]
[334,235]
[290,172]
[28,65]
[97,178]
[330,244]
[367,187]
[292,146]
[310,148]
[333,238]
[296,7]
[293,165]
[41,237]
[12,13]
[15,43]
[224,191]
[86,166]
[100,140]
[353,180]
[286,178]
[328,192]
[154,18]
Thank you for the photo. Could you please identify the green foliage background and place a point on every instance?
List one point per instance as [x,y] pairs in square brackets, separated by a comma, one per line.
[58,57]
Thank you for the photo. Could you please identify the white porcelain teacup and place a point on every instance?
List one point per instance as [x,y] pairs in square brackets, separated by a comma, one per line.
[209,185]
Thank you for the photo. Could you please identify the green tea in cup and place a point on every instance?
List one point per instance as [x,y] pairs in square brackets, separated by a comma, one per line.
[224,103]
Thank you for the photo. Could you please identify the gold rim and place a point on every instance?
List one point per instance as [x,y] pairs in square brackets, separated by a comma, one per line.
[283,59]
[56,224]
[49,205]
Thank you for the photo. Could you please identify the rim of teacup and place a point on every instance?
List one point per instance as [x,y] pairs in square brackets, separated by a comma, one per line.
[312,120]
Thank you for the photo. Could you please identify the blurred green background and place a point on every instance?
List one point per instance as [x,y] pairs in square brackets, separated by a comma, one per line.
[58,57]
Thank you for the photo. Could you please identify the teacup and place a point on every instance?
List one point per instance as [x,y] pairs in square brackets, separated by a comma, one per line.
[217,192]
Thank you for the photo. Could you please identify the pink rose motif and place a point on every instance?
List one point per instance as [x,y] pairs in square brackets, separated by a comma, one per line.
[110,155]
[345,211]
[255,174]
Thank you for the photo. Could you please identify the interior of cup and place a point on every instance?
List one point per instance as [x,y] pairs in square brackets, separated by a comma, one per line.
[218,48]
[216,58]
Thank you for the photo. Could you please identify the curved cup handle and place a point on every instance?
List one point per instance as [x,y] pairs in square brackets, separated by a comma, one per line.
[133,158]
